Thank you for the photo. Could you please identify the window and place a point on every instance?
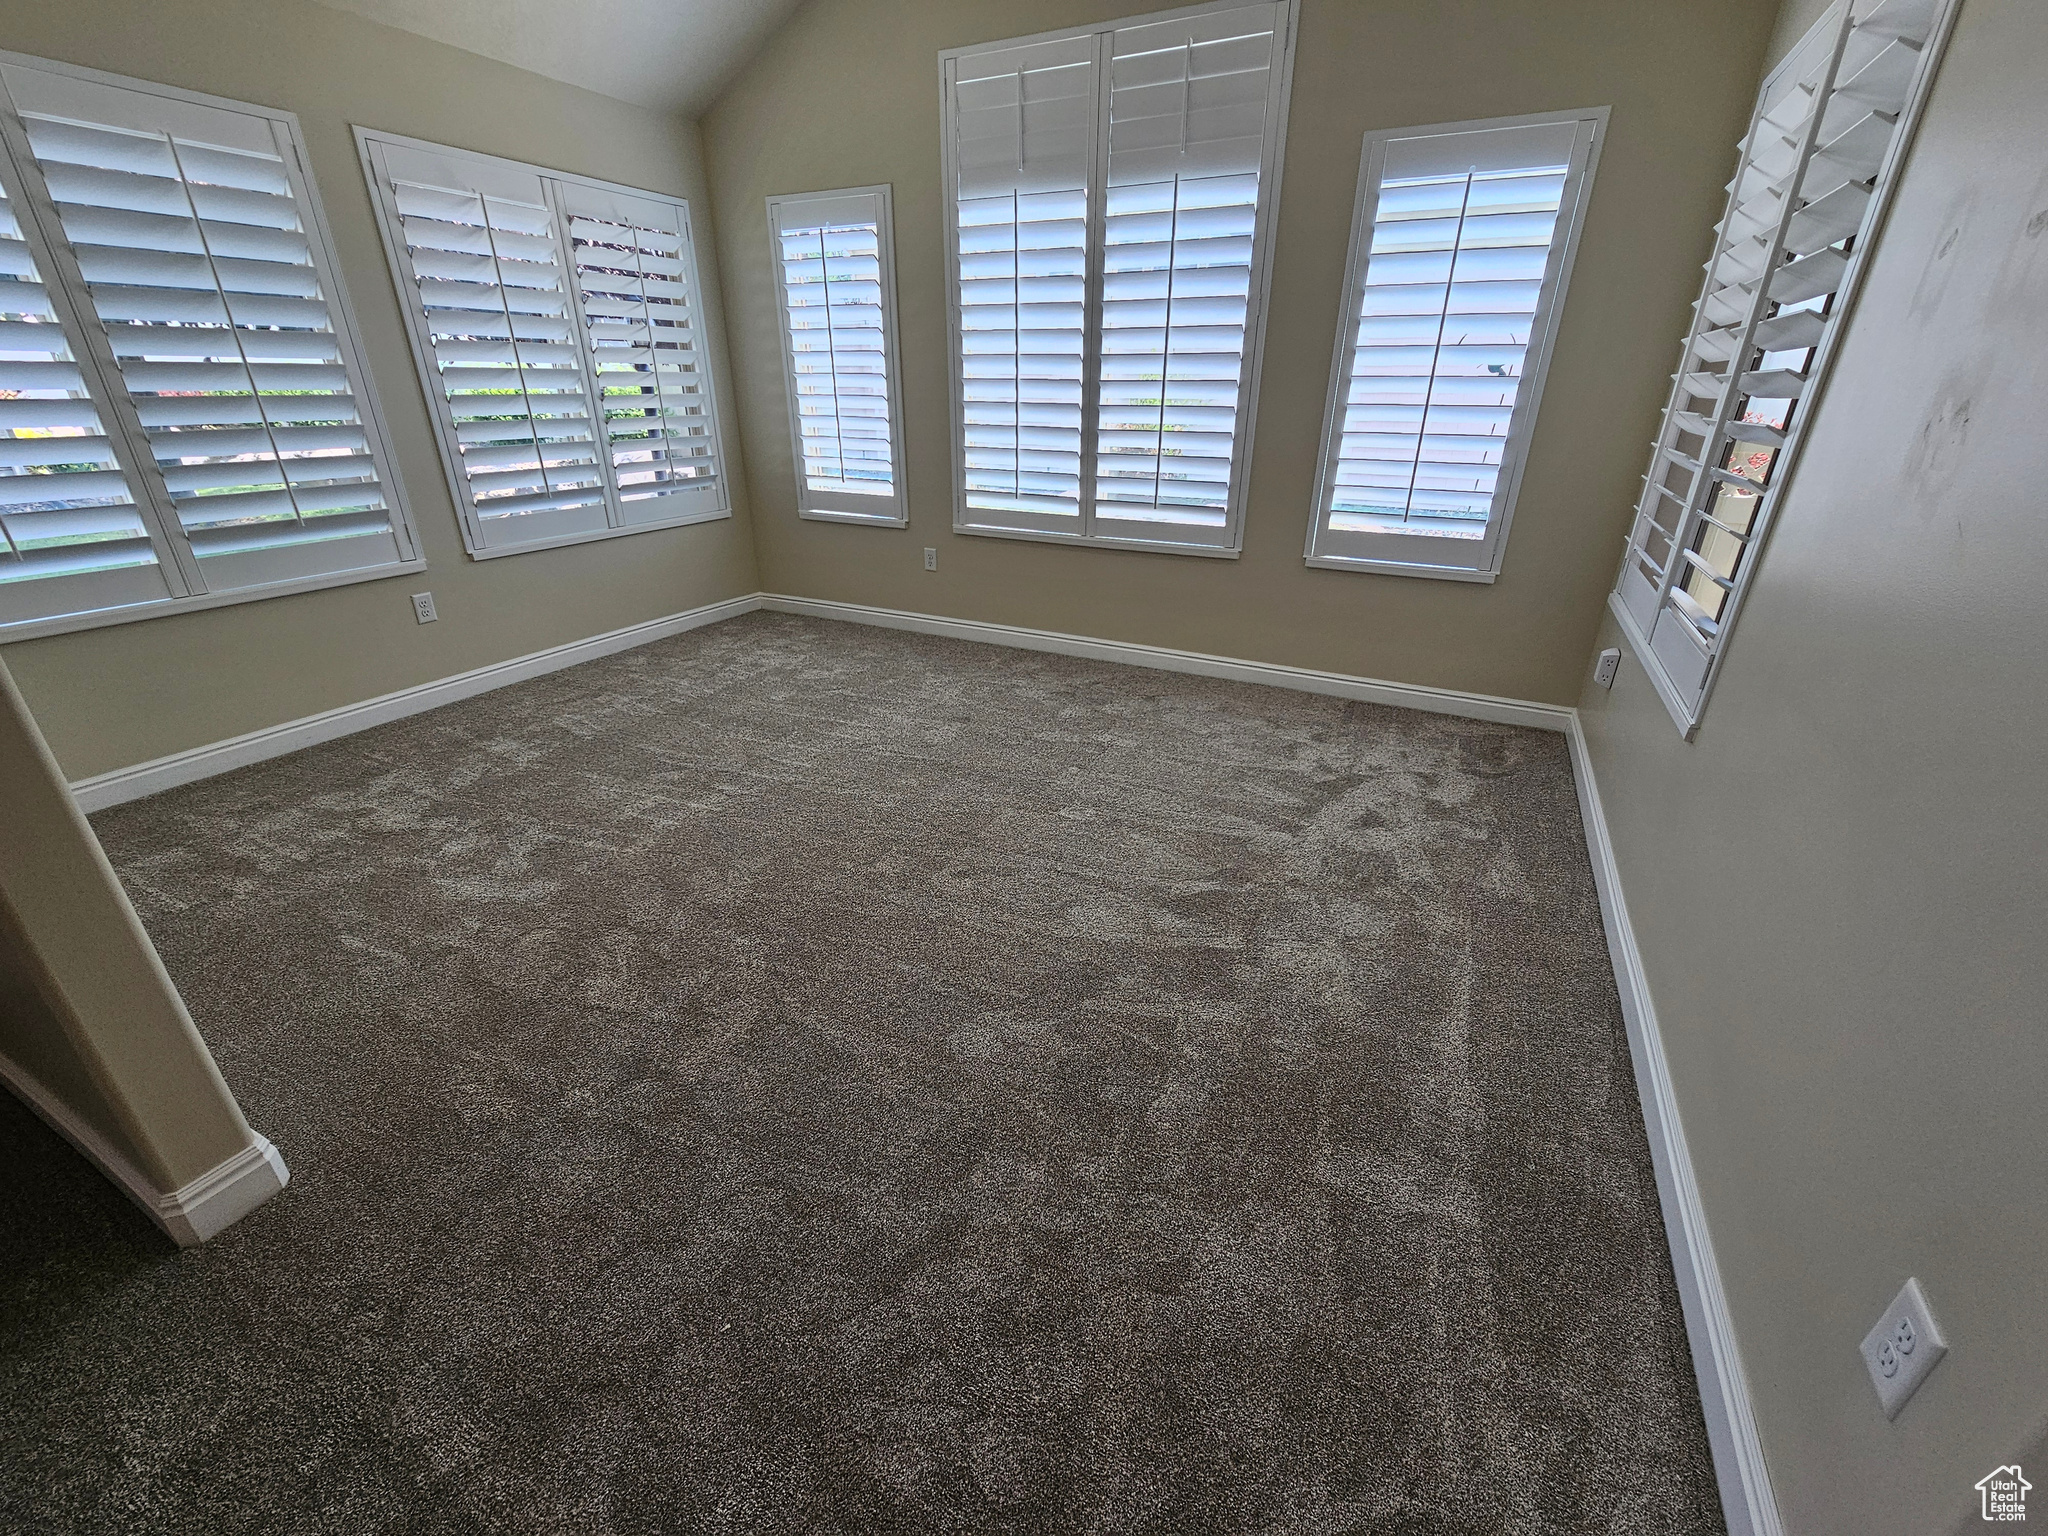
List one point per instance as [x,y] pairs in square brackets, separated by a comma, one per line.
[1460,252]
[1110,208]
[835,253]
[185,419]
[1814,174]
[558,329]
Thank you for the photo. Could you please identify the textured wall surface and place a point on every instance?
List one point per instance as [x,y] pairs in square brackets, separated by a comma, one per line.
[1840,888]
[847,95]
[110,697]
[87,1010]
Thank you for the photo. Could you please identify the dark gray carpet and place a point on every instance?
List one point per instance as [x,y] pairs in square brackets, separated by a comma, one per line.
[798,1077]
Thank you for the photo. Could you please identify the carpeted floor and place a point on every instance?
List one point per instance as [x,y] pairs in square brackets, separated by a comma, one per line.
[798,1077]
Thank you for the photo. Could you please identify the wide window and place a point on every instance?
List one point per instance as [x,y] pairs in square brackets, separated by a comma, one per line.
[185,419]
[1460,252]
[835,260]
[1109,213]
[558,327]
[1814,174]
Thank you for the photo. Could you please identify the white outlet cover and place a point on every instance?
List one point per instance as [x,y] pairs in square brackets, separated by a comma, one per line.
[1904,1346]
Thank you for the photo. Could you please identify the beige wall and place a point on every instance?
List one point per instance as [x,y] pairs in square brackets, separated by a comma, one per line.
[34,1042]
[86,1008]
[110,697]
[1841,889]
[1795,20]
[847,94]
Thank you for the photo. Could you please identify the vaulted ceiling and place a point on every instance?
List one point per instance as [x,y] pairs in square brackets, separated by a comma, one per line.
[669,54]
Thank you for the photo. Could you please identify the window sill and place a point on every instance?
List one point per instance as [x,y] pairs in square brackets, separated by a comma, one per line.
[70,623]
[1083,541]
[592,535]
[872,520]
[1400,568]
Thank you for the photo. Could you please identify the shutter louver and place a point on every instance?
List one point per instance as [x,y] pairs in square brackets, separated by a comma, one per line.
[637,290]
[196,262]
[1812,179]
[65,507]
[1458,266]
[832,282]
[1110,206]
[1188,102]
[492,299]
[1451,291]
[558,332]
[833,252]
[1025,135]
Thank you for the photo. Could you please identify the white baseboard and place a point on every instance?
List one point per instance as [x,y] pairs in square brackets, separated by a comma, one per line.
[132,783]
[224,1194]
[123,784]
[1745,1480]
[1442,701]
[189,1215]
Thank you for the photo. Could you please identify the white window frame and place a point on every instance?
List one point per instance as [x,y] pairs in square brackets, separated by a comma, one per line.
[1321,551]
[1687,709]
[146,484]
[428,372]
[897,504]
[1272,160]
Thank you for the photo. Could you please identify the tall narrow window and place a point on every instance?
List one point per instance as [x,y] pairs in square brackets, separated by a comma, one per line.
[558,330]
[1023,131]
[835,261]
[1110,212]
[1460,253]
[189,419]
[497,319]
[636,284]
[1815,172]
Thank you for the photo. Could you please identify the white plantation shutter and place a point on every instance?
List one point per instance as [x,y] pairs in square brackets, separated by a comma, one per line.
[834,253]
[637,287]
[173,288]
[1111,202]
[1460,255]
[491,294]
[1023,136]
[558,331]
[1188,105]
[1814,174]
[73,535]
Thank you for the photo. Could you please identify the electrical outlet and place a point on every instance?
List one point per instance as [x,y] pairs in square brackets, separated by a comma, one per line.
[423,607]
[1605,668]
[931,559]
[1904,1346]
